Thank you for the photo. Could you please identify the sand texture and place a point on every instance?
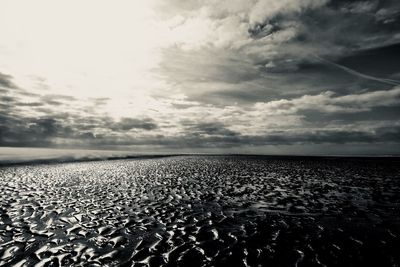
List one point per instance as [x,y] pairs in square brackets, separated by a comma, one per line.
[202,211]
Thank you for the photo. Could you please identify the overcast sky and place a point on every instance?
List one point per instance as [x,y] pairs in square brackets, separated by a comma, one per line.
[237,76]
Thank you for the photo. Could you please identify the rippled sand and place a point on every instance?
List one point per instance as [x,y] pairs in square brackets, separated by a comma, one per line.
[202,211]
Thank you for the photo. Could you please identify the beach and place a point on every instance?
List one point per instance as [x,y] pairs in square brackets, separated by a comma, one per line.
[202,211]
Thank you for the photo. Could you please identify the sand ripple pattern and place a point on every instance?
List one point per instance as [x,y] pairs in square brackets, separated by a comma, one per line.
[201,211]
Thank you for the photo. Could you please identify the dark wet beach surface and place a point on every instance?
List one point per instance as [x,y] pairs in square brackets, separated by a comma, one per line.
[202,211]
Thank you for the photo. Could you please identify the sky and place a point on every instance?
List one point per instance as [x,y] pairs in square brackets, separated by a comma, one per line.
[201,76]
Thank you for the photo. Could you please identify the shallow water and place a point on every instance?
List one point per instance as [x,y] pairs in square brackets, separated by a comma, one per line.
[202,211]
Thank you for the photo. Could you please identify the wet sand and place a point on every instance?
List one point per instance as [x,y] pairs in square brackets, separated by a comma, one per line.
[202,211]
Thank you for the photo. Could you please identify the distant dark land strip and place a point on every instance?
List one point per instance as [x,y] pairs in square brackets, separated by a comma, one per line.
[8,163]
[72,159]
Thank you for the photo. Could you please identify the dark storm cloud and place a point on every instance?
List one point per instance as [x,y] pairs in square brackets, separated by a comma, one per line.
[7,99]
[213,128]
[75,129]
[126,124]
[374,115]
[56,100]
[31,104]
[36,132]
[6,81]
[28,131]
[14,101]
[45,127]
[29,119]
[192,140]
[384,134]
[389,133]
[14,95]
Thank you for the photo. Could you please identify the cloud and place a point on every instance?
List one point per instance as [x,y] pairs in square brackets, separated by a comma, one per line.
[265,10]
[328,102]
[280,35]
[265,50]
[362,75]
[212,129]
[126,124]
[264,37]
[15,132]
[6,81]
[225,74]
[380,135]
[206,65]
[274,122]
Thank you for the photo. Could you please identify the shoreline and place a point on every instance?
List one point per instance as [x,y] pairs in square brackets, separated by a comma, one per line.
[89,158]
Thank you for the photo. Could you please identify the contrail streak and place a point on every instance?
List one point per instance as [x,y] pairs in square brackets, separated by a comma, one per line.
[359,74]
